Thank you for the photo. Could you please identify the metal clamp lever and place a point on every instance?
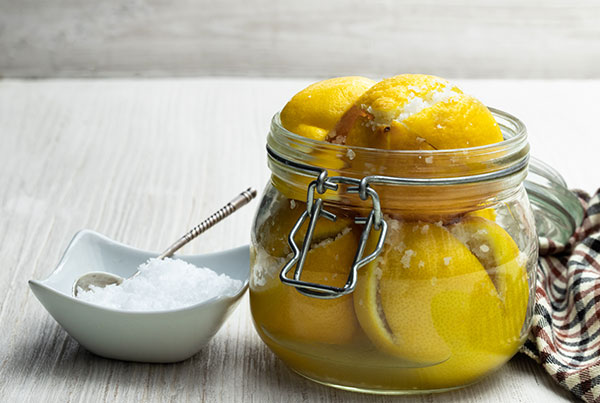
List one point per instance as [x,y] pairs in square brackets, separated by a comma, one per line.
[314,210]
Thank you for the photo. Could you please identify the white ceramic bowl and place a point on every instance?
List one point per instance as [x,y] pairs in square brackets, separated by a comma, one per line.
[156,336]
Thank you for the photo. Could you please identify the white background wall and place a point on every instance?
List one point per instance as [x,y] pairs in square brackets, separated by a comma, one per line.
[454,38]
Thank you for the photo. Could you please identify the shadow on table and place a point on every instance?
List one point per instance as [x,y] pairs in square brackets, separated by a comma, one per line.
[225,370]
[274,378]
[523,366]
[56,355]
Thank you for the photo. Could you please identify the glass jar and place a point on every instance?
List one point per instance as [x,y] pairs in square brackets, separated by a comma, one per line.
[391,271]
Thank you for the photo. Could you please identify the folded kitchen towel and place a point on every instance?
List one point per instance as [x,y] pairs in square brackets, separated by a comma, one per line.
[565,333]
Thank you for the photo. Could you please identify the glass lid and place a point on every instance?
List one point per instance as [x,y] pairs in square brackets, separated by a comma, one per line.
[557,210]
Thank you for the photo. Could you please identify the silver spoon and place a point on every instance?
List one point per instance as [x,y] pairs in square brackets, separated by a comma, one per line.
[102,279]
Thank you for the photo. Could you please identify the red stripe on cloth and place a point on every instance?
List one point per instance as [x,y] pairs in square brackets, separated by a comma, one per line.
[594,263]
[541,333]
[582,294]
[568,349]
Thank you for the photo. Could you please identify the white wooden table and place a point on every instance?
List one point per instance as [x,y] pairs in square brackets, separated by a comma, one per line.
[144,160]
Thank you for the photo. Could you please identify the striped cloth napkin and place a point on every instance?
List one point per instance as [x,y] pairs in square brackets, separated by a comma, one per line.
[565,334]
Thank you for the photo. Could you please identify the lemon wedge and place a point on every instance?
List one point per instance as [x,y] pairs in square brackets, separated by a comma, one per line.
[417,112]
[287,314]
[314,111]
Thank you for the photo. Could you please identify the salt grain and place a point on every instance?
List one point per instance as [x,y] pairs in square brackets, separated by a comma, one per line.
[163,285]
[339,140]
[407,257]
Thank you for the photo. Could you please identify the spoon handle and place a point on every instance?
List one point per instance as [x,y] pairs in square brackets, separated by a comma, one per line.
[240,200]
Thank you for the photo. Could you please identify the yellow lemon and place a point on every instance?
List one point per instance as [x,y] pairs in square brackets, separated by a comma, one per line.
[434,296]
[488,213]
[272,233]
[417,112]
[394,295]
[421,112]
[479,340]
[286,314]
[505,265]
[314,111]
[327,321]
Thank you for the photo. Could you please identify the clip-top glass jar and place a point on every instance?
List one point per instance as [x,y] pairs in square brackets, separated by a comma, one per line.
[392,271]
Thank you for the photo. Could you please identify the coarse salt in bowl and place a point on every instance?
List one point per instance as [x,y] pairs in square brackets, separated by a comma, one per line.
[162,285]
[155,335]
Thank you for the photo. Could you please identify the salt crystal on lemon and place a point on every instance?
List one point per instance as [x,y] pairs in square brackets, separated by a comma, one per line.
[163,285]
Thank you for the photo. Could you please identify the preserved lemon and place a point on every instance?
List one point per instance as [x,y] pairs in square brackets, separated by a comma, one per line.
[302,318]
[418,112]
[314,111]
[436,298]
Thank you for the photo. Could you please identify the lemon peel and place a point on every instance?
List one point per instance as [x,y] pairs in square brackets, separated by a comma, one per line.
[393,295]
[417,112]
[302,318]
[314,111]
[505,265]
[489,213]
[449,295]
[272,234]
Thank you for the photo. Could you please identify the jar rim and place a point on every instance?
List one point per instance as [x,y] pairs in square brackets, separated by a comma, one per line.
[420,167]
[509,121]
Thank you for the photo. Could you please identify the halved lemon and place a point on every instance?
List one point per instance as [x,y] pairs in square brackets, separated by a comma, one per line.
[287,314]
[272,234]
[314,111]
[417,112]
[430,298]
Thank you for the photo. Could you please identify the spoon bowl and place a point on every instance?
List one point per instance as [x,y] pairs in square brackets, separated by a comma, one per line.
[144,336]
[95,278]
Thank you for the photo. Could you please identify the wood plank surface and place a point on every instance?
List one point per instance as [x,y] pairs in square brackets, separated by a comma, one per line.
[144,160]
[460,38]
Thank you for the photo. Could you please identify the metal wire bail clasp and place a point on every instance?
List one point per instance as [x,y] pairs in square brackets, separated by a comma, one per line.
[314,210]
